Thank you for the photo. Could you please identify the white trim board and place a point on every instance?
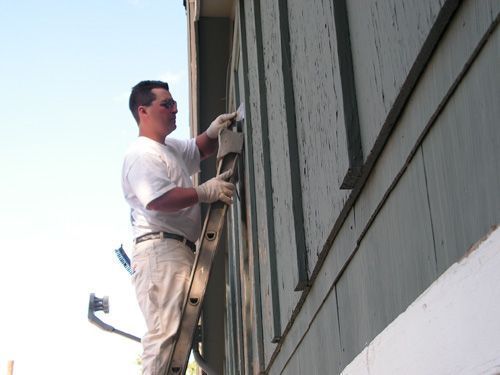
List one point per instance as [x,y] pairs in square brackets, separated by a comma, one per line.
[453,327]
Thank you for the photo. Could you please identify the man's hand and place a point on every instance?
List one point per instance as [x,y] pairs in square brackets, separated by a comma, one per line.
[221,122]
[216,189]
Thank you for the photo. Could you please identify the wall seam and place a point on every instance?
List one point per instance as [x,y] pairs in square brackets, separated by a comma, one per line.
[430,210]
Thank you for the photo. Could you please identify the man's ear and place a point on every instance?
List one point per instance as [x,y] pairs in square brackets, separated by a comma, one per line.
[141,112]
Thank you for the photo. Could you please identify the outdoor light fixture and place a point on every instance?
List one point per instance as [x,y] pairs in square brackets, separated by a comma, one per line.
[102,304]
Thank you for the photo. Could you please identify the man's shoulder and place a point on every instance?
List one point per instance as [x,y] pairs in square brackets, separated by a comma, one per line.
[142,145]
[140,148]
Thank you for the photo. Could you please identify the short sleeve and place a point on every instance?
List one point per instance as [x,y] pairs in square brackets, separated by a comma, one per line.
[148,178]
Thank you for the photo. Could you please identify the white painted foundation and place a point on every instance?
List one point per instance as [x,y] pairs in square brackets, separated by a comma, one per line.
[451,328]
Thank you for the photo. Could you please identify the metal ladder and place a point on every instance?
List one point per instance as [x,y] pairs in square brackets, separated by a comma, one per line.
[230,146]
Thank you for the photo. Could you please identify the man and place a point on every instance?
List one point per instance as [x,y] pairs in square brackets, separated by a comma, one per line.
[165,212]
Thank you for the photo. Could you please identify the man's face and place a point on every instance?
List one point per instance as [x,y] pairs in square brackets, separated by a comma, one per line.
[162,112]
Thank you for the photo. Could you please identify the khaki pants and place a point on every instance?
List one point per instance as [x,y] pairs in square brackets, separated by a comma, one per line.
[161,279]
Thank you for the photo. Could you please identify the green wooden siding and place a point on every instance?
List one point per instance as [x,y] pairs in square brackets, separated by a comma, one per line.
[428,87]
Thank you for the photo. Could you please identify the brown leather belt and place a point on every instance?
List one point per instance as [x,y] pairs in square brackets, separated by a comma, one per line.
[157,235]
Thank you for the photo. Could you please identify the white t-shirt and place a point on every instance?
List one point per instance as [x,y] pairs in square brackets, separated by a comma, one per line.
[150,169]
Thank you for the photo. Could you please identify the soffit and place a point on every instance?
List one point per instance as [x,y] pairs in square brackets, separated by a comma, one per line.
[216,8]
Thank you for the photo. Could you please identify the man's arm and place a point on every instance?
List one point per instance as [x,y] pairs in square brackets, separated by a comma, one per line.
[215,189]
[207,142]
[206,145]
[212,190]
[174,200]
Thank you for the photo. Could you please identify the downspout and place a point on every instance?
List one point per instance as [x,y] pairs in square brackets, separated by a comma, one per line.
[201,362]
[197,355]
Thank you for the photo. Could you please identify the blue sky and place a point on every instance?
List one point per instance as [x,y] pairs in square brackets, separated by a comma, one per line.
[66,70]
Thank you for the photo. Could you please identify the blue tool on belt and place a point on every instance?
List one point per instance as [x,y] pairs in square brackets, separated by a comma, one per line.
[124,259]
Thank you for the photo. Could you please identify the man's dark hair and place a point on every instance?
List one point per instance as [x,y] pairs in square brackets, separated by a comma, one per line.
[141,95]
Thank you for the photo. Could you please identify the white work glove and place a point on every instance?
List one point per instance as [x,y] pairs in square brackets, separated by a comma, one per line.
[220,123]
[216,189]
